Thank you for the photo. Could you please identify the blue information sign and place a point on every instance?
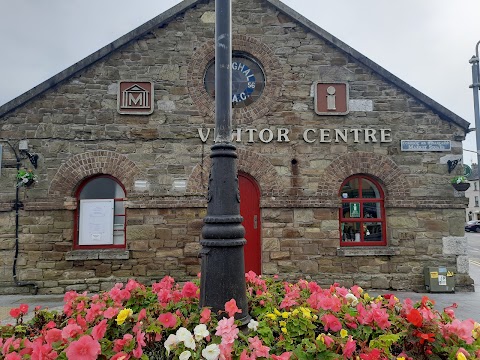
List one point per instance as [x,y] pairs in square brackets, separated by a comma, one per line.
[426,145]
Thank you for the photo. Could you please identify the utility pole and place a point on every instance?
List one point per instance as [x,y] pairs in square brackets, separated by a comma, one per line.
[476,86]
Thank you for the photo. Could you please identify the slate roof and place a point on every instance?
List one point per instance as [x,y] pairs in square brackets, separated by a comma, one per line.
[185,5]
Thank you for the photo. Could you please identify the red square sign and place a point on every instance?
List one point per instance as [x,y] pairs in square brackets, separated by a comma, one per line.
[331,98]
[135,97]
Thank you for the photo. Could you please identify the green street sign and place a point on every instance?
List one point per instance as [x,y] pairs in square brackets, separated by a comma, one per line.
[467,170]
[354,210]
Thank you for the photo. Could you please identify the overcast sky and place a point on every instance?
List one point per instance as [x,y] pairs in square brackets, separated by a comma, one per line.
[426,43]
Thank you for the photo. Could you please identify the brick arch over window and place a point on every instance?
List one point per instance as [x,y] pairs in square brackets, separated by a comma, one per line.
[383,168]
[249,162]
[81,166]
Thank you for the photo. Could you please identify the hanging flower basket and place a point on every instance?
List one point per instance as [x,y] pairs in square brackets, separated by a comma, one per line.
[460,183]
[461,186]
[26,178]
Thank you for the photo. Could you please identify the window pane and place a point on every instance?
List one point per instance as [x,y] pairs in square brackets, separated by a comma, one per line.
[369,190]
[102,188]
[350,189]
[372,210]
[119,208]
[119,220]
[351,232]
[118,234]
[373,231]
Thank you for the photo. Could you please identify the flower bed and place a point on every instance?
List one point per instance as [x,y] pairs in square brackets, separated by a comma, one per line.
[289,321]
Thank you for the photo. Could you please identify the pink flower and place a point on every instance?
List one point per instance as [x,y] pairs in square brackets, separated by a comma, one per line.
[226,351]
[349,348]
[190,290]
[98,331]
[118,344]
[331,322]
[13,356]
[463,329]
[227,330]
[94,311]
[142,314]
[205,315]
[23,308]
[120,356]
[84,348]
[168,320]
[231,308]
[137,352]
[110,313]
[53,335]
[259,350]
[284,356]
[70,331]
[132,285]
[42,351]
[244,355]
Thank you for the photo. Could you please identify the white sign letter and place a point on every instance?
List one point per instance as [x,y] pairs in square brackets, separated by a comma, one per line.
[270,135]
[203,137]
[305,135]
[283,134]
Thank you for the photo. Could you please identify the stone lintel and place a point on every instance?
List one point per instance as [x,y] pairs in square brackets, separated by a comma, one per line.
[366,251]
[97,255]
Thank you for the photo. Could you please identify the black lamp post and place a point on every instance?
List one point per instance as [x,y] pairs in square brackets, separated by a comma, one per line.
[223,269]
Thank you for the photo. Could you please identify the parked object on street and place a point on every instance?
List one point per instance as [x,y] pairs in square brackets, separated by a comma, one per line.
[472,226]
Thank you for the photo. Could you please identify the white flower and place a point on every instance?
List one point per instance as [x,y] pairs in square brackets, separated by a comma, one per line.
[185,355]
[187,338]
[190,343]
[211,352]
[201,332]
[182,334]
[253,325]
[171,340]
[352,299]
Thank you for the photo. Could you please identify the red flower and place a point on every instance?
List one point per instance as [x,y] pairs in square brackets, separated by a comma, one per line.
[415,318]
[190,290]
[15,313]
[231,308]
[23,308]
[168,320]
[430,337]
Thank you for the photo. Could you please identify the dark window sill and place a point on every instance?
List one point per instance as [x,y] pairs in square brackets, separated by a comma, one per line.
[365,251]
[99,254]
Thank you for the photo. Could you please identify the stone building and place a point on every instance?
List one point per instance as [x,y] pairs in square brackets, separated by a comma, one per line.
[342,166]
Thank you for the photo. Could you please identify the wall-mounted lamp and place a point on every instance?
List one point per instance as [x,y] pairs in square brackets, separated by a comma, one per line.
[23,147]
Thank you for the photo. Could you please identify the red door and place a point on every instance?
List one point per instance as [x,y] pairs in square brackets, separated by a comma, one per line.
[250,210]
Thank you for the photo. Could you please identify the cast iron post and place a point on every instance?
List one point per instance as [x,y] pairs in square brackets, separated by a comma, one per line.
[223,269]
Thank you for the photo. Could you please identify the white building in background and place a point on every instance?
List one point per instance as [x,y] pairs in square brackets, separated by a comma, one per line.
[473,195]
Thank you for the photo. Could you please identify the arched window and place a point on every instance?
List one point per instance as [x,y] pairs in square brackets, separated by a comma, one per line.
[362,216]
[100,216]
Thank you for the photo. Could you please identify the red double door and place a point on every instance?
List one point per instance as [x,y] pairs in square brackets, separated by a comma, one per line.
[250,211]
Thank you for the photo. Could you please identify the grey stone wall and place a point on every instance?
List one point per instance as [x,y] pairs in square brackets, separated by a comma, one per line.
[77,132]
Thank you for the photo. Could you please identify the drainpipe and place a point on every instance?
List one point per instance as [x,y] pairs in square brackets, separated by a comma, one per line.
[17,206]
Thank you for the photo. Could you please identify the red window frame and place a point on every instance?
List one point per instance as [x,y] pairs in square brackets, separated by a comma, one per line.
[76,246]
[361,200]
